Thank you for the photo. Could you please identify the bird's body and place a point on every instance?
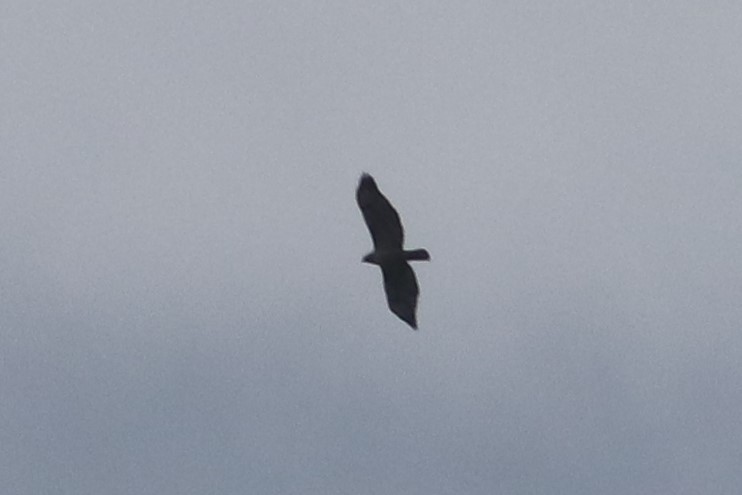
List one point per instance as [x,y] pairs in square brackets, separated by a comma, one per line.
[387,233]
[382,258]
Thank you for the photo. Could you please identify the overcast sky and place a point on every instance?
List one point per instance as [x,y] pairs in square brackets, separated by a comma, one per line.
[183,309]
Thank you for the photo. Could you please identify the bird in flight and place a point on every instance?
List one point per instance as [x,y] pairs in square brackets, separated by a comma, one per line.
[386,230]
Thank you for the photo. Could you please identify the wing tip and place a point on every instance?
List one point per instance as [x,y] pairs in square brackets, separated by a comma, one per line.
[411,320]
[404,313]
[366,179]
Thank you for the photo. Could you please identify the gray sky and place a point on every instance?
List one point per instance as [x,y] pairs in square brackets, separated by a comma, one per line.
[183,309]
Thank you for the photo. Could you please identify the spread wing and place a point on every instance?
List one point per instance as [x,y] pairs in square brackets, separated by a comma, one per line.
[401,290]
[380,216]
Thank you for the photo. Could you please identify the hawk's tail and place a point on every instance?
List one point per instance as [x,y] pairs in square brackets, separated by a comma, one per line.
[417,255]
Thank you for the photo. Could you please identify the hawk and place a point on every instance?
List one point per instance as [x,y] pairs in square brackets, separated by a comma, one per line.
[386,230]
